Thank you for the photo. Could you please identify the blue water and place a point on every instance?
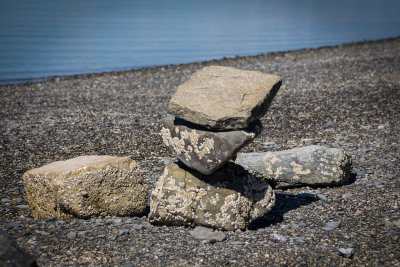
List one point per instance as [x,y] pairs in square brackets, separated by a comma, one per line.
[54,37]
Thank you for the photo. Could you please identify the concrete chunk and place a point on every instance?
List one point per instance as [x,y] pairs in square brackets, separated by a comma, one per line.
[224,98]
[229,199]
[304,166]
[202,150]
[86,186]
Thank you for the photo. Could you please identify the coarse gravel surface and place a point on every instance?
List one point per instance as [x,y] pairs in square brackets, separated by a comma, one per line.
[342,96]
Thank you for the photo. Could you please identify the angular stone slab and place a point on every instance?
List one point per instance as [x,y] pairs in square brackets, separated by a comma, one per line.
[86,186]
[203,150]
[13,255]
[305,166]
[229,199]
[224,98]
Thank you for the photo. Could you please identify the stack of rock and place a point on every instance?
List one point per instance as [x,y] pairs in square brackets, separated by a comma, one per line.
[214,114]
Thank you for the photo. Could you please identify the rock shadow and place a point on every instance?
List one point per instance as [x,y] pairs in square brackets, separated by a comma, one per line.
[283,204]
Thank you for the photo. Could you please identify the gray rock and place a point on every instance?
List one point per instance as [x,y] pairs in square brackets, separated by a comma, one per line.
[71,235]
[279,237]
[322,197]
[229,199]
[304,166]
[203,150]
[122,232]
[224,98]
[86,186]
[346,252]
[200,232]
[235,243]
[331,226]
[13,255]
[218,236]
[301,239]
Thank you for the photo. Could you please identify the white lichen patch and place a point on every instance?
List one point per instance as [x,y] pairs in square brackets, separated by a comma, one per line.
[178,145]
[298,169]
[270,158]
[187,143]
[279,171]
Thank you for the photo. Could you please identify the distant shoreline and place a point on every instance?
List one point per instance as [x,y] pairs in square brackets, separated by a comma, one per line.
[82,75]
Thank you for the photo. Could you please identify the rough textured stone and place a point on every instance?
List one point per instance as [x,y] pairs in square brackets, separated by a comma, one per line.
[310,165]
[203,150]
[230,198]
[224,98]
[86,186]
[11,254]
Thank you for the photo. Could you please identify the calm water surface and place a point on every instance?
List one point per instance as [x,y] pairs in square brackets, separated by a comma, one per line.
[47,37]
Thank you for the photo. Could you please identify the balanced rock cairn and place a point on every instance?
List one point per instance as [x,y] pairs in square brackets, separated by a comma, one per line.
[214,114]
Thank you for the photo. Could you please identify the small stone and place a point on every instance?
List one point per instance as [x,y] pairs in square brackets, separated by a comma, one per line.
[5,200]
[229,199]
[200,232]
[123,232]
[322,197]
[331,226]
[41,232]
[347,196]
[224,98]
[139,227]
[235,243]
[86,186]
[22,207]
[13,255]
[71,235]
[203,150]
[304,166]
[397,223]
[279,237]
[301,239]
[218,236]
[346,252]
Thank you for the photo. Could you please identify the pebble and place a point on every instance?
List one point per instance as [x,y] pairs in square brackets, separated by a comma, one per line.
[71,235]
[322,197]
[279,237]
[218,236]
[5,199]
[200,232]
[22,206]
[332,226]
[235,243]
[346,252]
[123,232]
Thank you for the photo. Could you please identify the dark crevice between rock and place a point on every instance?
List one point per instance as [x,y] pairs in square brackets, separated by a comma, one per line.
[254,127]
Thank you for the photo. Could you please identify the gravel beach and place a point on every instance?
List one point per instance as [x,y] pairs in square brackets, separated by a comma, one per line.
[344,96]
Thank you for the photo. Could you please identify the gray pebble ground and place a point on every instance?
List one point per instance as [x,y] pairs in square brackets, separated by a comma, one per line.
[344,96]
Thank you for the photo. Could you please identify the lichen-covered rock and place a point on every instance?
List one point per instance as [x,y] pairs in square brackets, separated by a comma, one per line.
[203,150]
[224,98]
[86,186]
[304,166]
[229,199]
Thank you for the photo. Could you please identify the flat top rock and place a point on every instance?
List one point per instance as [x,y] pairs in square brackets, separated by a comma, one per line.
[74,164]
[224,98]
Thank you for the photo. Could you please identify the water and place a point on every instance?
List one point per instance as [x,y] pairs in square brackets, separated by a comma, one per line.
[48,37]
